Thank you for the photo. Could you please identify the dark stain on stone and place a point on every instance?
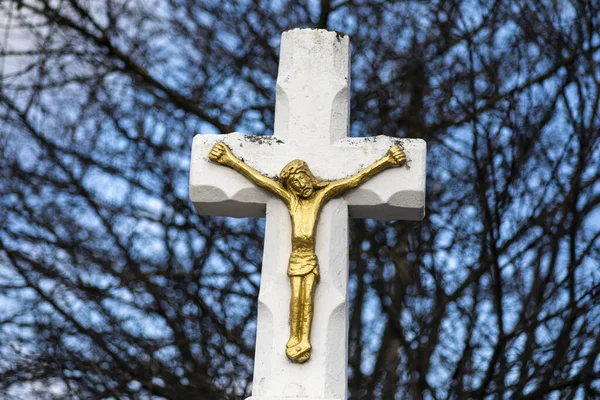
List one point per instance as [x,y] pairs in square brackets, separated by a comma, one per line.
[257,139]
[339,35]
[263,139]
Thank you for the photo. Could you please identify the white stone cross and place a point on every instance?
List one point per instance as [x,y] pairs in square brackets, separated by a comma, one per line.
[311,124]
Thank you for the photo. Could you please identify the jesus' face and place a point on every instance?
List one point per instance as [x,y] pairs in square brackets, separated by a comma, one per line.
[301,184]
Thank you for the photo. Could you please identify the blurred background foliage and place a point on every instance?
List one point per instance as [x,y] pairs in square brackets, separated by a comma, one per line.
[111,287]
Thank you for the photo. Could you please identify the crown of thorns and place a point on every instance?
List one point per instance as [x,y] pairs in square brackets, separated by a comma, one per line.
[294,167]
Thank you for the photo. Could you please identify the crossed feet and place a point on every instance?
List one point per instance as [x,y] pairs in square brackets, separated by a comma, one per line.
[298,350]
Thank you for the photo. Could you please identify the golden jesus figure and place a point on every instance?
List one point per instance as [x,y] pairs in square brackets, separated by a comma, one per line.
[304,197]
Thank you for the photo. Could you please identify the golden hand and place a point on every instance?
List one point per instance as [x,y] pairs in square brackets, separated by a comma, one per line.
[396,155]
[221,154]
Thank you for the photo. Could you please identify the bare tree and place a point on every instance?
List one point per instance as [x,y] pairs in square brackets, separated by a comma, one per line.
[112,287]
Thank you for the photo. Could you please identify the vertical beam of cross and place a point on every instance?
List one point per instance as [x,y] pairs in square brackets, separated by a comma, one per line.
[311,111]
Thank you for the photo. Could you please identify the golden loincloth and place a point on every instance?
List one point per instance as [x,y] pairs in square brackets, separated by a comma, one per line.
[303,262]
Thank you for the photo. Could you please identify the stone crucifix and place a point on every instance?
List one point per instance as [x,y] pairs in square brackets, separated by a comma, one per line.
[266,176]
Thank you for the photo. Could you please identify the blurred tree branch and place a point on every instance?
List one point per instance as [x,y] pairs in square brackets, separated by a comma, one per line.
[112,287]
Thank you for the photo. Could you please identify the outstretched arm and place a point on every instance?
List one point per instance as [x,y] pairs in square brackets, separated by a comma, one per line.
[222,154]
[395,157]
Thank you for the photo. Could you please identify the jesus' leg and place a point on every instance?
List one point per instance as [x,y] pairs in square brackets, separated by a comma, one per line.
[301,352]
[295,311]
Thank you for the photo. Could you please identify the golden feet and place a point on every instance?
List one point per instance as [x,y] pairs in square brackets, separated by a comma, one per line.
[298,352]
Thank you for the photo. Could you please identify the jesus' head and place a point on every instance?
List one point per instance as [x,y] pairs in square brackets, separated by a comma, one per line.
[297,177]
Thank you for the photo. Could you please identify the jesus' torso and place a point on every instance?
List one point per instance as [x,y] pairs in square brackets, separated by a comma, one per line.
[305,214]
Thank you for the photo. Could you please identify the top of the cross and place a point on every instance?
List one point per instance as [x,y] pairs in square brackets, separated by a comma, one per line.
[338,35]
[312,104]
